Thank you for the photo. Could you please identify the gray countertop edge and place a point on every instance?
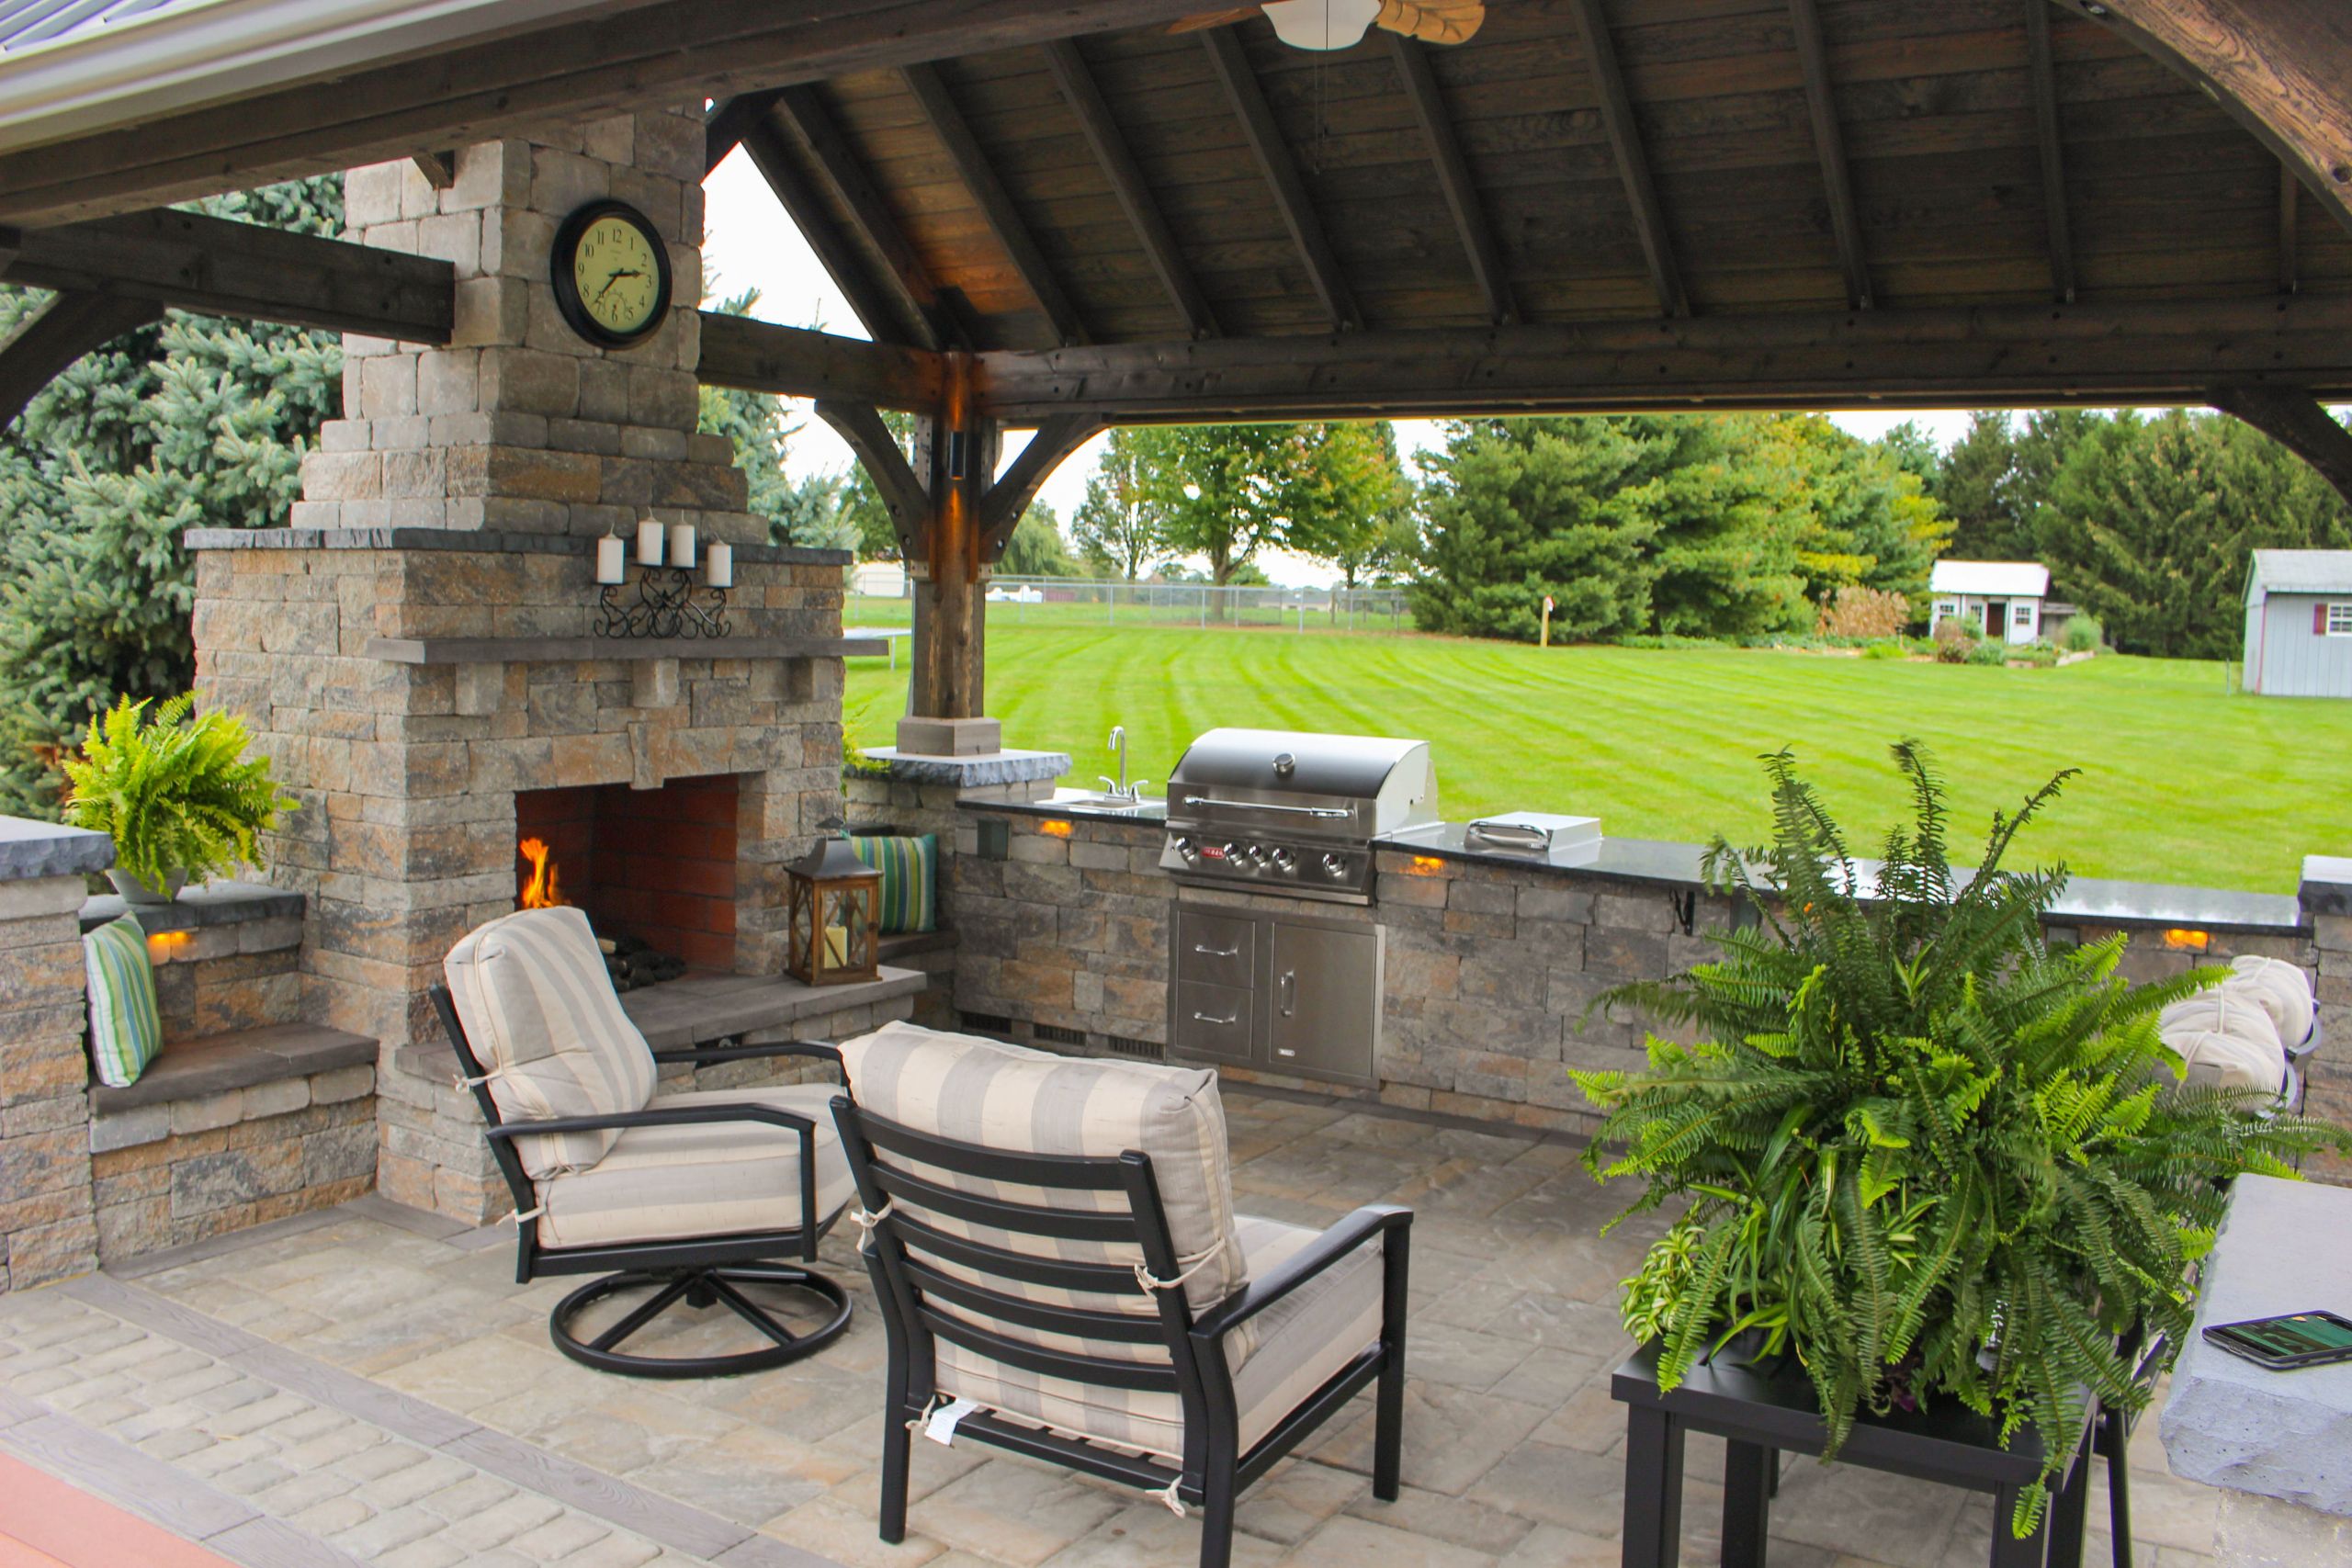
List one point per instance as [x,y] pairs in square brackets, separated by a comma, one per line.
[978,771]
[210,904]
[495,541]
[30,850]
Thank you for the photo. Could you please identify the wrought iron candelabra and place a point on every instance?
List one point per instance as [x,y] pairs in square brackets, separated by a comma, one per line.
[669,602]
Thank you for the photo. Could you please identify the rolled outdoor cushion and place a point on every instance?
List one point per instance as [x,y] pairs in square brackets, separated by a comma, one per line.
[2229,1061]
[2224,1011]
[2279,989]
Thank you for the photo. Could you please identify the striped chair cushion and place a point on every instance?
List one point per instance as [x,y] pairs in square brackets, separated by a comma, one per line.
[909,868]
[1301,1342]
[709,1178]
[126,1028]
[539,1010]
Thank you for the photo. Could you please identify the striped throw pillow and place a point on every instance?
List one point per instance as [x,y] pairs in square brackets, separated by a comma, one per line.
[125,1029]
[909,868]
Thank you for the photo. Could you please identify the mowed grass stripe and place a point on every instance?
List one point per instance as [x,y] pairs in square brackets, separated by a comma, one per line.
[2182,782]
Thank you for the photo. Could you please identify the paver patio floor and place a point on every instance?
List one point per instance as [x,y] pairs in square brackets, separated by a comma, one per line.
[369,1384]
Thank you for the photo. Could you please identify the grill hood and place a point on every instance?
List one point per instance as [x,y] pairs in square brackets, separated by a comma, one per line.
[1290,812]
[1358,766]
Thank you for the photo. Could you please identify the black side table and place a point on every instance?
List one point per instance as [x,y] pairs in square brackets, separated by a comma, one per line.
[1760,1413]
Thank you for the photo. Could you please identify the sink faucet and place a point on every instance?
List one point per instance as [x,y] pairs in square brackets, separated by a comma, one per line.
[1119,789]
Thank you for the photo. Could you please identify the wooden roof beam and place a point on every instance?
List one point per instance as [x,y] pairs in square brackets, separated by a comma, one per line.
[1231,66]
[1633,162]
[794,362]
[190,260]
[65,329]
[1453,179]
[932,321]
[1829,146]
[724,123]
[987,192]
[2047,138]
[2290,224]
[1118,163]
[886,311]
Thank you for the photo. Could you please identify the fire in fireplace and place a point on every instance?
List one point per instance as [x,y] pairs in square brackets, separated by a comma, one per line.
[653,870]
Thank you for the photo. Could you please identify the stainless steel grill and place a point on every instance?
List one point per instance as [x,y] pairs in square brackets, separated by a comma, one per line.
[1294,813]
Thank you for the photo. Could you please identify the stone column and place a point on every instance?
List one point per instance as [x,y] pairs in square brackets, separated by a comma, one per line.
[47,1229]
[2326,899]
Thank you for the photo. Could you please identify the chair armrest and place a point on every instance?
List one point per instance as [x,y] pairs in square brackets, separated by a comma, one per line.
[703,1056]
[1372,1220]
[673,1116]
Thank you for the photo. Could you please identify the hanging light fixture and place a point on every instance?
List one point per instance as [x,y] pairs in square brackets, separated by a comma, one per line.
[1321,24]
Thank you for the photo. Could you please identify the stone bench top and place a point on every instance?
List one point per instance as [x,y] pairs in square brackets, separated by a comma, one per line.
[703,1007]
[215,1064]
[212,904]
[2230,1423]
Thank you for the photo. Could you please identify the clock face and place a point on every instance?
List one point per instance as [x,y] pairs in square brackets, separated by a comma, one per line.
[612,275]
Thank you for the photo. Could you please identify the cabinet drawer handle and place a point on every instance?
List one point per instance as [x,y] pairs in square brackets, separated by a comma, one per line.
[1217,952]
[1221,1023]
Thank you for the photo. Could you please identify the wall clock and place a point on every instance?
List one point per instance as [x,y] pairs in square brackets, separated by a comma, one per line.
[612,273]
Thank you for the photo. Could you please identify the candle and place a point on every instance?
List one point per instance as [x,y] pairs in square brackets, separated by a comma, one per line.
[682,545]
[612,558]
[648,543]
[718,563]
[836,947]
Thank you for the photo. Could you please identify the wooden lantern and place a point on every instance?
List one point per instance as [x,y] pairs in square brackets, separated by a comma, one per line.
[835,931]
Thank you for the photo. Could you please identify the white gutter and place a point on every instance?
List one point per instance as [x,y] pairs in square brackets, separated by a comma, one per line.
[104,76]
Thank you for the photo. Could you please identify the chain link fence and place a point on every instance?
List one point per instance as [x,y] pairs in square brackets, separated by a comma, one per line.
[1078,602]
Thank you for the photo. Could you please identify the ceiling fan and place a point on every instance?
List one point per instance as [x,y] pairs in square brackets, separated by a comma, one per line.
[1341,24]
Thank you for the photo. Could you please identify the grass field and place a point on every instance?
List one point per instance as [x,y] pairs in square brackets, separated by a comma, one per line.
[2182,782]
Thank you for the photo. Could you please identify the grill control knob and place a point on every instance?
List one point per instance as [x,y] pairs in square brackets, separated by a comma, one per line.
[1333,866]
[1284,860]
[1232,852]
[1257,853]
[1183,846]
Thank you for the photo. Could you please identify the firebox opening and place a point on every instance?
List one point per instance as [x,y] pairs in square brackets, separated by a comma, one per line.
[651,869]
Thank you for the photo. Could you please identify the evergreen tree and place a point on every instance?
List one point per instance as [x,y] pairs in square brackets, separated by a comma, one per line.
[1865,520]
[1971,484]
[2150,522]
[1724,558]
[193,422]
[808,513]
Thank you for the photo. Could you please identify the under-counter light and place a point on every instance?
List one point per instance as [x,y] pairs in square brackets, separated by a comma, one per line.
[1425,865]
[2188,940]
[1054,828]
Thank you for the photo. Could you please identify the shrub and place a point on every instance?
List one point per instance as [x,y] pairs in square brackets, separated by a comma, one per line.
[2083,635]
[175,791]
[1993,653]
[1921,1149]
[1890,649]
[1858,611]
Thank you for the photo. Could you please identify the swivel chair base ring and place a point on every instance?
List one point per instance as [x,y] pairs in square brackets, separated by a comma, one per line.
[702,1287]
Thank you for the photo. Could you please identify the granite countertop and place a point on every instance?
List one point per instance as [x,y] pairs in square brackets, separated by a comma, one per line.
[2230,1423]
[1076,803]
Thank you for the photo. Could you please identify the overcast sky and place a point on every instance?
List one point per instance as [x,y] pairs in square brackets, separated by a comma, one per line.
[750,244]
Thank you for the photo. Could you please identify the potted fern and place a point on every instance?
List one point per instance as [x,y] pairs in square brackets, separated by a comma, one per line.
[1913,1146]
[175,792]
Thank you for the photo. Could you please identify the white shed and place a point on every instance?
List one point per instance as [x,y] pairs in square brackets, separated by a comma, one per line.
[2298,624]
[2001,598]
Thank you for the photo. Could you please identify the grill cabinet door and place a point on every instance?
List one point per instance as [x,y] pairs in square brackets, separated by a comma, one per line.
[1325,1001]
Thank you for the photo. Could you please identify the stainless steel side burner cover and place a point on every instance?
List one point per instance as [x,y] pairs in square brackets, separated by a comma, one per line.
[1291,811]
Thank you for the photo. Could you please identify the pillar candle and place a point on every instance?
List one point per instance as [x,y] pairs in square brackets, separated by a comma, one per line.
[612,558]
[720,564]
[682,545]
[836,947]
[648,543]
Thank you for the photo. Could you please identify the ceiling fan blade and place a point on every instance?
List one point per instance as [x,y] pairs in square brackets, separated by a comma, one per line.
[1212,19]
[1433,21]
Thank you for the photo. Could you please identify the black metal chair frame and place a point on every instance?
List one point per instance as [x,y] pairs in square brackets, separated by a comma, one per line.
[702,1270]
[1214,1471]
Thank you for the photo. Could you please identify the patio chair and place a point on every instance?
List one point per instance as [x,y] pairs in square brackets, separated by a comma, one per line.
[1061,1274]
[694,1196]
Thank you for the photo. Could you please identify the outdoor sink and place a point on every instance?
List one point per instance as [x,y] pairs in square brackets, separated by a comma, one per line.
[1096,800]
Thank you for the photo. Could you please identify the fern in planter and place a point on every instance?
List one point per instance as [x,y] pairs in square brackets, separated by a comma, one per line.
[1920,1150]
[175,791]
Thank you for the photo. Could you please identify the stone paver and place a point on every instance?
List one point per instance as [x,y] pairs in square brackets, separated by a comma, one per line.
[1513,1453]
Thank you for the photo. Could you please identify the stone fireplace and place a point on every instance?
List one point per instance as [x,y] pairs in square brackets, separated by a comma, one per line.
[417,652]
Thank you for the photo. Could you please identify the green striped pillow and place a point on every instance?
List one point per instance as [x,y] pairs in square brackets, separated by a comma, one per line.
[909,868]
[126,1030]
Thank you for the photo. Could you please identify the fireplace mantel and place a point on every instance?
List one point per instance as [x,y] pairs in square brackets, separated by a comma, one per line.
[577,649]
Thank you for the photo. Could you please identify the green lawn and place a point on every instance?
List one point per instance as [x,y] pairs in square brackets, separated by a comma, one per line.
[2182,782]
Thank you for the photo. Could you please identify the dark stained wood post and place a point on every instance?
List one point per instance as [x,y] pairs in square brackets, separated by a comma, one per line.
[956,455]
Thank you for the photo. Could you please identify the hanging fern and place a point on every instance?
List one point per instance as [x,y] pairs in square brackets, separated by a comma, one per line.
[175,791]
[1924,1152]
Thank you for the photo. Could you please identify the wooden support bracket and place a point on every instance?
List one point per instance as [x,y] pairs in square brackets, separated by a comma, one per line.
[1004,502]
[439,169]
[2297,421]
[903,494]
[61,332]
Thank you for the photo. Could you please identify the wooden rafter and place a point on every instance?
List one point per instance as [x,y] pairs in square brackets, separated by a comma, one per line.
[1453,176]
[65,329]
[1633,161]
[903,494]
[1118,163]
[1003,501]
[988,193]
[2298,422]
[2290,224]
[439,169]
[724,124]
[2128,352]
[192,261]
[1829,146]
[837,166]
[2049,139]
[1274,160]
[794,362]
[885,312]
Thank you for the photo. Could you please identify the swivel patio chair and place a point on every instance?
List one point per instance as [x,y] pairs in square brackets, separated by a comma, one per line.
[1061,1274]
[695,1197]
